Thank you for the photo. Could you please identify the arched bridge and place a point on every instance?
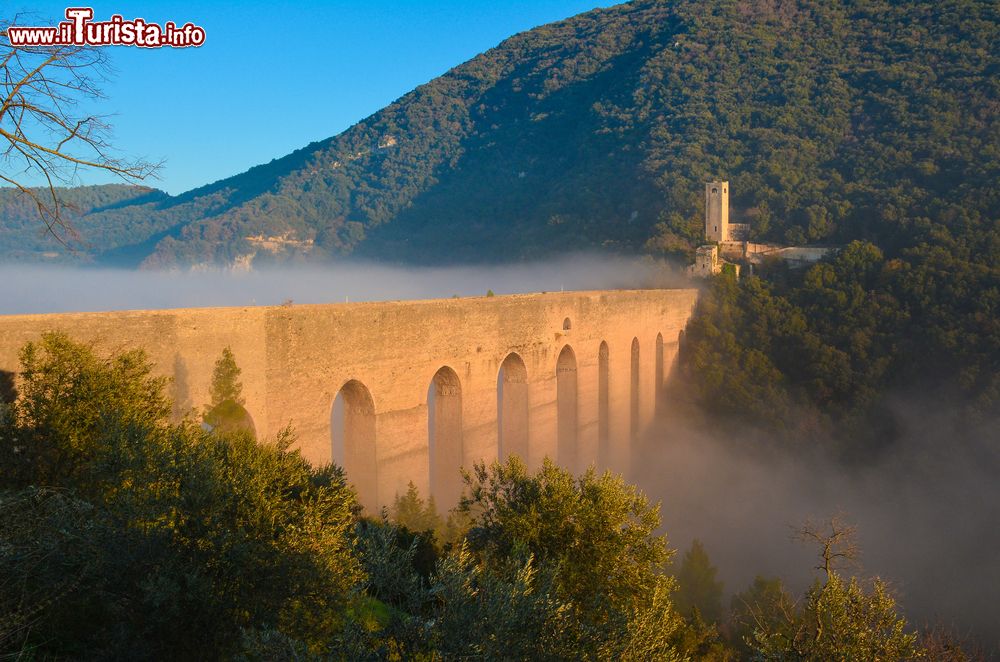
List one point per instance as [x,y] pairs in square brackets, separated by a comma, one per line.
[412,390]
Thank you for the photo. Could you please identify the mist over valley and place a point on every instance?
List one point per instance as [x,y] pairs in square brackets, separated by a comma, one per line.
[33,289]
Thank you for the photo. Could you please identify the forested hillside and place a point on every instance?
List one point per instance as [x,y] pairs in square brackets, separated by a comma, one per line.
[93,213]
[868,120]
[859,350]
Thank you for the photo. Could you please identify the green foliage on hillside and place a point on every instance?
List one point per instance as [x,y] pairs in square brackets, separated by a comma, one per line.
[867,120]
[23,235]
[827,349]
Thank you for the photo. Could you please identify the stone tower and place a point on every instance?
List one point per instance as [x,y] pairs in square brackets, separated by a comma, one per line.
[717,211]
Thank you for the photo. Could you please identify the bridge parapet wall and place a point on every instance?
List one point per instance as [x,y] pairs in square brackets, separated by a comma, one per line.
[295,359]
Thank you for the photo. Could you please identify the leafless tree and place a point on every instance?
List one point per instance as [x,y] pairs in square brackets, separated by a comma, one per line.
[946,644]
[836,541]
[837,544]
[45,135]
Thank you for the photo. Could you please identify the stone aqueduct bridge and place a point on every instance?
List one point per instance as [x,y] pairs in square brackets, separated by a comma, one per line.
[411,390]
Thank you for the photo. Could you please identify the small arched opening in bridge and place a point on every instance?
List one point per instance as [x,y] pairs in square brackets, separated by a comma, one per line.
[567,324]
[566,408]
[229,416]
[634,403]
[352,429]
[444,437]
[659,371]
[512,408]
[603,407]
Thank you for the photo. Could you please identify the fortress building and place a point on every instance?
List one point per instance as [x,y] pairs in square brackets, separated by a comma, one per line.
[706,262]
[718,229]
[731,241]
[716,211]
[719,233]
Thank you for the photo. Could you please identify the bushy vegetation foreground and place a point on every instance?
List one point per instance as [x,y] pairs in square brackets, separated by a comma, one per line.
[124,535]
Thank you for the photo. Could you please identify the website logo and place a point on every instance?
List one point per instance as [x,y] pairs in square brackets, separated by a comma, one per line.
[79,29]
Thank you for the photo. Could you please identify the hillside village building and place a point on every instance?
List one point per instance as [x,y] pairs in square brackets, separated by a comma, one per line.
[708,263]
[732,240]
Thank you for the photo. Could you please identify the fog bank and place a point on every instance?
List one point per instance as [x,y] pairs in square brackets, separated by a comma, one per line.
[49,289]
[926,510]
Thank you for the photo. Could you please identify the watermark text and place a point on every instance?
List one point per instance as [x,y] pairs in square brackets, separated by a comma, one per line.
[79,29]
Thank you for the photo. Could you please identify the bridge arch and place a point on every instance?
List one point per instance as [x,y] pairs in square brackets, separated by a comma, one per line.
[352,431]
[634,392]
[444,437]
[229,416]
[603,406]
[567,414]
[512,408]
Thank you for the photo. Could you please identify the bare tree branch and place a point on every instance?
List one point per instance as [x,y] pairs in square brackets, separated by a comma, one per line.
[43,134]
[837,542]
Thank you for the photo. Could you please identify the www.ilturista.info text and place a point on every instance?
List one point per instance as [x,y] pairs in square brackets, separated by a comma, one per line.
[81,30]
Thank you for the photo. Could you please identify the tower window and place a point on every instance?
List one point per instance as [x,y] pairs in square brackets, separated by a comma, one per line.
[715,190]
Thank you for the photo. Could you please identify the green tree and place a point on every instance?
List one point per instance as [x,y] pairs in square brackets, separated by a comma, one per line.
[512,589]
[226,385]
[841,618]
[411,511]
[599,535]
[466,609]
[765,606]
[68,396]
[698,588]
[226,412]
[509,610]
[170,542]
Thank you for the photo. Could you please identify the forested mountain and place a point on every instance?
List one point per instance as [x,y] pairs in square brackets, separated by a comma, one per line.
[832,121]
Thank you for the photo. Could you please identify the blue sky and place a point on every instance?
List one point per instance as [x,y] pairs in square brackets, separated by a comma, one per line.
[275,76]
